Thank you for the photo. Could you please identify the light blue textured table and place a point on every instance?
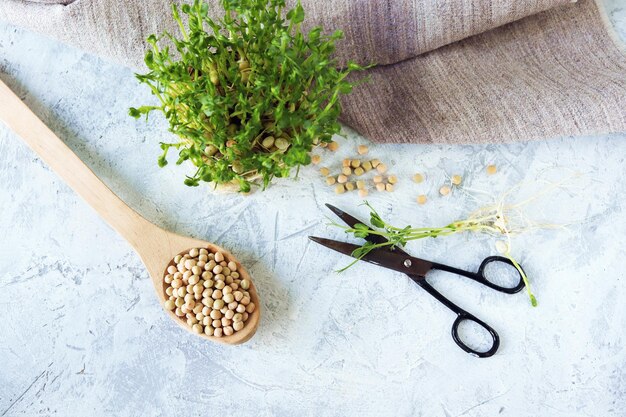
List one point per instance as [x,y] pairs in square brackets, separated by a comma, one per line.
[82,332]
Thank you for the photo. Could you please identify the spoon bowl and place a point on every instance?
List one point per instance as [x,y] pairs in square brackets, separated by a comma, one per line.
[156,246]
[175,243]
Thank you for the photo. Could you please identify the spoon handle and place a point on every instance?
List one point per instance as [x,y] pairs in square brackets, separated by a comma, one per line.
[19,118]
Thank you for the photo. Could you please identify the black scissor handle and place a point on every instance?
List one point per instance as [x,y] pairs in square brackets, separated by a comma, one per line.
[495,339]
[480,275]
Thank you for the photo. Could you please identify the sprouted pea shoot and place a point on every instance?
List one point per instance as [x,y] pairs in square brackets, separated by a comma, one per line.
[490,220]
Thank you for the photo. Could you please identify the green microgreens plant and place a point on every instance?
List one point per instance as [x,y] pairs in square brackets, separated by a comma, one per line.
[490,220]
[248,95]
[501,219]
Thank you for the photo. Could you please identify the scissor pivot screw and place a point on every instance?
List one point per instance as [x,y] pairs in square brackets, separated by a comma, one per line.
[407,263]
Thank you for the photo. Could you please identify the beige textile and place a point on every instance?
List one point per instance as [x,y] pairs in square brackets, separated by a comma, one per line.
[456,71]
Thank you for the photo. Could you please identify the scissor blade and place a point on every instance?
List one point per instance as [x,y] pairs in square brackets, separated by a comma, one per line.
[382,257]
[352,221]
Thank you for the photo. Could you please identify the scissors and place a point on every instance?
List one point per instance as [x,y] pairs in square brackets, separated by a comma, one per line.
[398,260]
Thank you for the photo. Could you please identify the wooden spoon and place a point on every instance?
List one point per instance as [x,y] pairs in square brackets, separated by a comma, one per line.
[156,247]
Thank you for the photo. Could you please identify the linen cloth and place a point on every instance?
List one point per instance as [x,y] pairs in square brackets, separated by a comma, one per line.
[456,71]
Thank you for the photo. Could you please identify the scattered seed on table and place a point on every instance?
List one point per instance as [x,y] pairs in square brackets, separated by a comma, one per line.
[421,199]
[360,184]
[418,178]
[380,186]
[375,162]
[378,179]
[330,180]
[389,187]
[340,189]
[392,179]
[491,169]
[349,186]
[333,146]
[444,190]
[342,179]
[367,166]
[346,162]
[382,168]
[359,171]
[362,149]
[316,159]
[355,163]
[324,171]
[346,171]
[363,193]
[456,179]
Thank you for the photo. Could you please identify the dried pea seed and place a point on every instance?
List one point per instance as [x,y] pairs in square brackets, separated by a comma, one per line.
[316,159]
[330,180]
[456,179]
[491,169]
[382,168]
[367,166]
[375,162]
[333,146]
[359,171]
[392,179]
[380,186]
[281,143]
[342,179]
[219,257]
[378,179]
[421,199]
[444,190]
[238,325]
[245,284]
[170,305]
[355,163]
[340,189]
[324,171]
[363,193]
[349,186]
[362,149]
[389,187]
[346,171]
[345,163]
[360,184]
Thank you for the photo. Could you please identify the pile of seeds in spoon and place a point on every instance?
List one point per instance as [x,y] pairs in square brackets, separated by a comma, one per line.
[205,289]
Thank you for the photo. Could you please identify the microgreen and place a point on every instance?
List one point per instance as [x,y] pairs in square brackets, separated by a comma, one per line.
[491,220]
[249,95]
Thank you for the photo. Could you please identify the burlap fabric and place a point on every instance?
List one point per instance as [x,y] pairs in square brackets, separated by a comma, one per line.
[456,71]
